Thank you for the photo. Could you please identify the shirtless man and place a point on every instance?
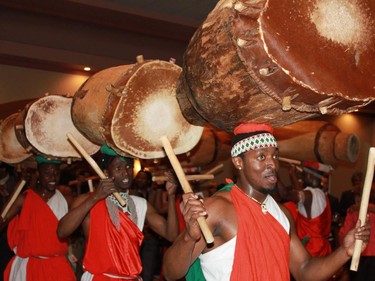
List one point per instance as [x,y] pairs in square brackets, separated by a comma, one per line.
[255,238]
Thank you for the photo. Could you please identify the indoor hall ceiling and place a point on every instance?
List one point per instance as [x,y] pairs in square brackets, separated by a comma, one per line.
[67,35]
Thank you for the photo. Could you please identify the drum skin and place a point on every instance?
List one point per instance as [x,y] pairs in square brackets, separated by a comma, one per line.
[279,62]
[11,150]
[131,107]
[46,123]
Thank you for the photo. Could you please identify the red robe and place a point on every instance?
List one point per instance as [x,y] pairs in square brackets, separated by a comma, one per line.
[317,230]
[110,251]
[262,247]
[33,232]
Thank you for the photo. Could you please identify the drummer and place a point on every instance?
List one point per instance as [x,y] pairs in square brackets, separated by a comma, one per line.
[255,238]
[33,219]
[114,232]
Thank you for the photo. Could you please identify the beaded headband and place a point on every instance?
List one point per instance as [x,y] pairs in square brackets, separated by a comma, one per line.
[252,136]
[253,142]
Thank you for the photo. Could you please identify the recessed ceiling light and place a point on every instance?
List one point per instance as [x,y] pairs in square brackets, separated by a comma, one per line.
[86,68]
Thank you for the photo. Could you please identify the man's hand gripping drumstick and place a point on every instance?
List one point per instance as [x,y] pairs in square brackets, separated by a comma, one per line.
[185,185]
[93,164]
[12,199]
[364,206]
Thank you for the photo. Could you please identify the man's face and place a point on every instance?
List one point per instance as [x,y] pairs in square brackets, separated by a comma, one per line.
[122,172]
[49,176]
[260,169]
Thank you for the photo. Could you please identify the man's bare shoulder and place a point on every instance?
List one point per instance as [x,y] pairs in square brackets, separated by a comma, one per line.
[221,216]
[219,198]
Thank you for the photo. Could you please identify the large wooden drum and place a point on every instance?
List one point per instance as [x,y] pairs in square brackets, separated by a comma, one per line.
[11,150]
[44,128]
[317,141]
[279,61]
[131,107]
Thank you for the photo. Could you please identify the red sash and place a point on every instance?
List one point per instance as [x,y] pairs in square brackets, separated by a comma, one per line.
[34,234]
[111,251]
[262,247]
[317,229]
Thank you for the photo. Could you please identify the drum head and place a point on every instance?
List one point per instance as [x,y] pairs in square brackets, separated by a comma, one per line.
[279,62]
[47,123]
[325,45]
[148,110]
[11,151]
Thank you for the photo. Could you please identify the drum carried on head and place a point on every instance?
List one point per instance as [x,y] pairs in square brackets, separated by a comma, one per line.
[12,151]
[45,125]
[131,107]
[279,62]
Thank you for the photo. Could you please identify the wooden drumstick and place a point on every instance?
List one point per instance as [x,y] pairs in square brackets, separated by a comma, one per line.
[93,165]
[215,169]
[185,185]
[91,186]
[13,198]
[364,205]
[292,162]
[188,177]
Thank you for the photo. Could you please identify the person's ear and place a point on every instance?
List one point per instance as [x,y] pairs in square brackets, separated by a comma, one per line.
[237,162]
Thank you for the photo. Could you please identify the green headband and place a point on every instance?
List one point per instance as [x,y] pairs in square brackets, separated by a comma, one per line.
[106,150]
[43,160]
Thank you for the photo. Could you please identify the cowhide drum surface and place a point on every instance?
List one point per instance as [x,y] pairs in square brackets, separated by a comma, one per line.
[47,121]
[131,107]
[279,62]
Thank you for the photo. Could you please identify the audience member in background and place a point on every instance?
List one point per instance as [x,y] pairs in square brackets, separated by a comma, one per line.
[7,184]
[313,222]
[366,267]
[33,220]
[336,219]
[151,247]
[347,197]
[113,232]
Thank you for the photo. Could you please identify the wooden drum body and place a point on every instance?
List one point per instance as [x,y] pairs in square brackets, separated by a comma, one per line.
[279,62]
[317,141]
[131,107]
[11,150]
[214,146]
[45,125]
